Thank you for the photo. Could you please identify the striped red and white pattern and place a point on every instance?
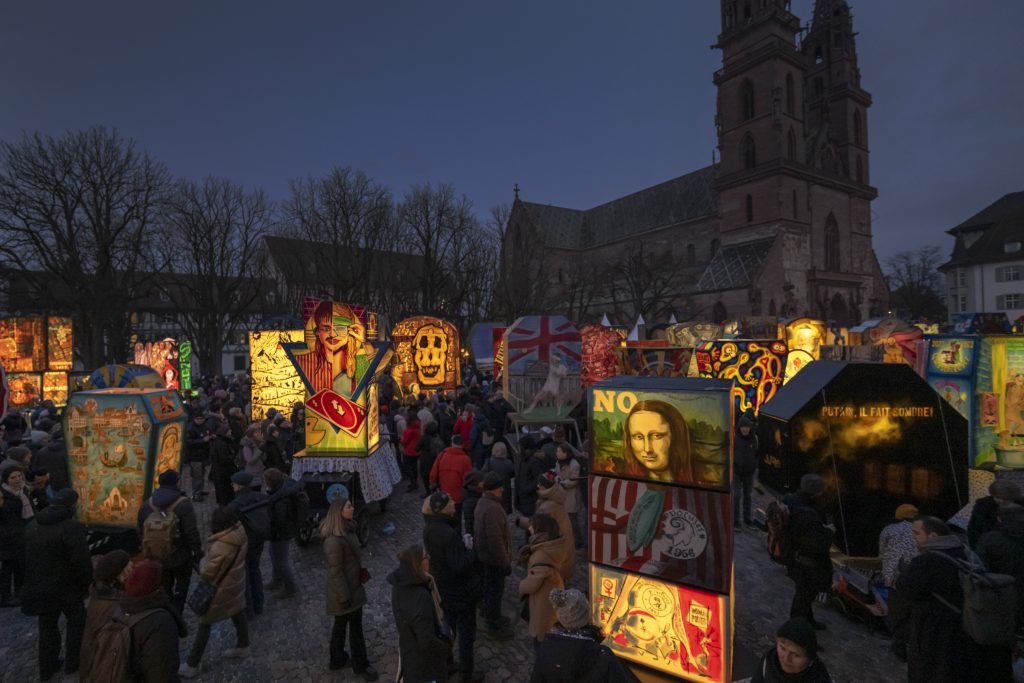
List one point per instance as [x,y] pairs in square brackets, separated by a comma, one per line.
[612,500]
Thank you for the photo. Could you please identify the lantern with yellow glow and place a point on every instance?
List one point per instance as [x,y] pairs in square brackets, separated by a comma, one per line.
[426,356]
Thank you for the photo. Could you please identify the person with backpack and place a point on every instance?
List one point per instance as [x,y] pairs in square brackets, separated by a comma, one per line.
[223,568]
[150,627]
[289,506]
[810,566]
[105,593]
[170,535]
[939,650]
[198,436]
[252,508]
[58,572]
[222,463]
[744,468]
[1002,550]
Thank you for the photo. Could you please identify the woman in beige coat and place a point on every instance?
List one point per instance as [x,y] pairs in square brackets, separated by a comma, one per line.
[542,557]
[345,593]
[551,502]
[569,479]
[224,567]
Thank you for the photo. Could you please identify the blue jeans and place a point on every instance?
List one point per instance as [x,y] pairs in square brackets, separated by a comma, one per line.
[494,591]
[282,564]
[463,625]
[254,577]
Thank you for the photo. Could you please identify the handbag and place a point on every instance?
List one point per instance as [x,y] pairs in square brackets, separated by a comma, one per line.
[200,599]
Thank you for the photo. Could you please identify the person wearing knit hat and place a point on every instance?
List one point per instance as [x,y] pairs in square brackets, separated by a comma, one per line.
[896,543]
[105,593]
[256,520]
[985,514]
[794,657]
[155,634]
[744,467]
[493,481]
[439,502]
[500,462]
[812,542]
[492,542]
[571,607]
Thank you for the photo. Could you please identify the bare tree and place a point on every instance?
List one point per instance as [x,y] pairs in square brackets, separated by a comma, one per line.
[646,281]
[76,213]
[211,262]
[350,219]
[916,284]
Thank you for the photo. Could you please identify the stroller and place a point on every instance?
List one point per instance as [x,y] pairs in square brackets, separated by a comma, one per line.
[318,488]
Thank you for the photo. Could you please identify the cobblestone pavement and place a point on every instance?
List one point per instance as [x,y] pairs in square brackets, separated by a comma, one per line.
[289,641]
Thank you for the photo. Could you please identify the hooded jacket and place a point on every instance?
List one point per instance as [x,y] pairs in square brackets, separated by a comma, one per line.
[449,471]
[542,575]
[58,569]
[551,502]
[254,511]
[154,653]
[576,656]
[424,652]
[285,510]
[224,566]
[104,602]
[191,546]
[451,564]
[744,450]
[1002,552]
[491,536]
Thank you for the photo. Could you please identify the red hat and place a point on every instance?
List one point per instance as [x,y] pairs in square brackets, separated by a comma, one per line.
[145,578]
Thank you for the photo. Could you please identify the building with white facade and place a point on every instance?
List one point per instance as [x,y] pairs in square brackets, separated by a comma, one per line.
[985,272]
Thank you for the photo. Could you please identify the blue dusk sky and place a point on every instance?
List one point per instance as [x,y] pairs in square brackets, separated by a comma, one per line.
[578,101]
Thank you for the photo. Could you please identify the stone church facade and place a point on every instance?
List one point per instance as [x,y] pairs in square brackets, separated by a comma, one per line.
[781,225]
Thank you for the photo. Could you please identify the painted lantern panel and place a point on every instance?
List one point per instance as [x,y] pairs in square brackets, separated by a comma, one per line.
[119,441]
[755,367]
[600,352]
[543,361]
[661,430]
[669,532]
[275,381]
[338,361]
[427,356]
[681,631]
[804,339]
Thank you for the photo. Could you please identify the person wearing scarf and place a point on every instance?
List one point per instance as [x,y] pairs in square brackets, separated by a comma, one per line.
[15,513]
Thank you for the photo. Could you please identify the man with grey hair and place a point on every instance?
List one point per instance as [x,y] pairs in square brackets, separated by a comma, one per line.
[811,569]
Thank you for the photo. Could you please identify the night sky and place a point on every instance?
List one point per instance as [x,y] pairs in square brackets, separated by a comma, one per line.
[578,101]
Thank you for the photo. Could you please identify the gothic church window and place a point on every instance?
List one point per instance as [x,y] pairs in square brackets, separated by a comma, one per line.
[747,90]
[831,244]
[749,152]
[791,146]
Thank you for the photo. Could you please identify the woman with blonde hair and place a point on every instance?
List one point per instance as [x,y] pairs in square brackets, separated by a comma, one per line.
[345,593]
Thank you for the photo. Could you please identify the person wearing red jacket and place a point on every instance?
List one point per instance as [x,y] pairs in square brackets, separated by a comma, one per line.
[464,423]
[411,456]
[449,471]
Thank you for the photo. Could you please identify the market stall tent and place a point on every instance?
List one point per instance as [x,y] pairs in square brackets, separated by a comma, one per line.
[877,433]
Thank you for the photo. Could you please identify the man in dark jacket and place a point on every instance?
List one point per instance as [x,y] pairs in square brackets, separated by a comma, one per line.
[156,625]
[744,467]
[533,465]
[811,569]
[254,511]
[453,567]
[287,511]
[492,544]
[985,514]
[177,568]
[53,457]
[1002,550]
[222,463]
[197,452]
[57,580]
[939,651]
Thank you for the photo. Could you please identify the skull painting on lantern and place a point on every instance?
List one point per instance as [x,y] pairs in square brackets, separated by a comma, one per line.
[426,355]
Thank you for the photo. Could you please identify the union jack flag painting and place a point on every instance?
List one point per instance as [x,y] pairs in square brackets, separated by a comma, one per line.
[541,338]
[677,534]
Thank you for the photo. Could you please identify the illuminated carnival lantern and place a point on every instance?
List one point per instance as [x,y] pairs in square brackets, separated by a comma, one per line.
[541,375]
[427,355]
[804,339]
[756,368]
[119,441]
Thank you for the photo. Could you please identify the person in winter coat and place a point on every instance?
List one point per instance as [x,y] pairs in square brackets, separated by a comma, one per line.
[794,659]
[252,454]
[1002,550]
[198,436]
[568,478]
[533,465]
[237,424]
[499,462]
[15,514]
[896,548]
[454,570]
[105,595]
[939,651]
[157,625]
[481,438]
[423,643]
[492,543]
[744,468]
[224,567]
[272,450]
[287,510]
[346,596]
[811,569]
[222,463]
[450,469]
[551,502]
[177,568]
[542,559]
[251,508]
[410,456]
[572,651]
[985,514]
[472,492]
[53,457]
[428,448]
[57,577]
[464,424]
